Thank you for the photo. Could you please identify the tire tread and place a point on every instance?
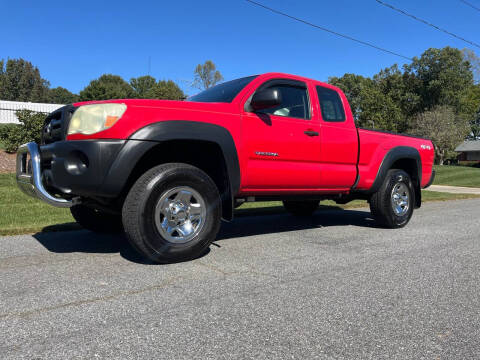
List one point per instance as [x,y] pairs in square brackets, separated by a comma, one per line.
[380,206]
[137,195]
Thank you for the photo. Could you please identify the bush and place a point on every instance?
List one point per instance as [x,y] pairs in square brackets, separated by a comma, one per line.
[12,135]
[5,128]
[4,131]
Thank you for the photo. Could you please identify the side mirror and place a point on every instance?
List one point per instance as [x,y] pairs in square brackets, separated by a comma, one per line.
[265,99]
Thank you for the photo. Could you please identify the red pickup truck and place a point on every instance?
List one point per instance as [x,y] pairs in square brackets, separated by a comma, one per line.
[166,172]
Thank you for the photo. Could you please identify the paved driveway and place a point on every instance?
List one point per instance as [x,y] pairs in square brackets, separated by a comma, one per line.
[275,287]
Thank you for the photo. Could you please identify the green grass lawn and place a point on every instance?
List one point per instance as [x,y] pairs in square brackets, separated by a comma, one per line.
[457,176]
[21,214]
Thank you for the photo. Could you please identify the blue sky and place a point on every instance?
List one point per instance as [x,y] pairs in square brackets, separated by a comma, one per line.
[75,42]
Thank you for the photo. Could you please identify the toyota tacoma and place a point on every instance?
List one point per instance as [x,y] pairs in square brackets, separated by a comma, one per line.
[166,172]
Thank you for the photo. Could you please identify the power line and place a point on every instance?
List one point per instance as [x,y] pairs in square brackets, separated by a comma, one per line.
[328,30]
[471,5]
[427,23]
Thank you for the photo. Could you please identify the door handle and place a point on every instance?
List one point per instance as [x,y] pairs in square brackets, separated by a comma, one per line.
[311,133]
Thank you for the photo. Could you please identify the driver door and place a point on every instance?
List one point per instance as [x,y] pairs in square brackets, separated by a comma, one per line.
[282,144]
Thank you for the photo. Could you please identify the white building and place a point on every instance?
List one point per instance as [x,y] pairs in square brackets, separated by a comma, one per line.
[8,109]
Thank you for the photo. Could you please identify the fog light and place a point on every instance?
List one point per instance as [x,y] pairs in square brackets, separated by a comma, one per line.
[76,163]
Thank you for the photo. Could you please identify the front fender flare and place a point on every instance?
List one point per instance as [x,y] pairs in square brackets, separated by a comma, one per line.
[149,136]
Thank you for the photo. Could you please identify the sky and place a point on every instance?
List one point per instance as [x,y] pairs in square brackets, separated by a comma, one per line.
[73,43]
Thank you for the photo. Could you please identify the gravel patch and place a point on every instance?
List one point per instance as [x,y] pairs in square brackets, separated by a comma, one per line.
[7,162]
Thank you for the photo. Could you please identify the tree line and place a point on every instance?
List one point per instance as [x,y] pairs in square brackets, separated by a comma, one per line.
[437,96]
[20,80]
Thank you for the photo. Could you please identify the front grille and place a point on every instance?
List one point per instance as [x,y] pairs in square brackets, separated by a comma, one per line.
[56,125]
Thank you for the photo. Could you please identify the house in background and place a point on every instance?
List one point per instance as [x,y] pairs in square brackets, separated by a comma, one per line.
[469,151]
[8,109]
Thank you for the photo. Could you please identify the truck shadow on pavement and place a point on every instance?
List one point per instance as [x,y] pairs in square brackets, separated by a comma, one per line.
[84,241]
[269,224]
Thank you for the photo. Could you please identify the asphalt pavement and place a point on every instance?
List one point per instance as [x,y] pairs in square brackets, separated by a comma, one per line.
[271,287]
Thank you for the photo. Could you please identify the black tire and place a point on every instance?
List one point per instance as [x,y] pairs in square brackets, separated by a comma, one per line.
[301,208]
[381,203]
[96,220]
[140,206]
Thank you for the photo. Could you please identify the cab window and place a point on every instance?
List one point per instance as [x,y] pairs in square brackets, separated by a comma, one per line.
[330,105]
[295,102]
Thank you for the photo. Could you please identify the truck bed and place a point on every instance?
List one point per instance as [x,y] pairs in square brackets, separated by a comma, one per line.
[375,144]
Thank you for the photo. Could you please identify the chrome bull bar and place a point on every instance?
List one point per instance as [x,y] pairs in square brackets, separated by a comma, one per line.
[29,176]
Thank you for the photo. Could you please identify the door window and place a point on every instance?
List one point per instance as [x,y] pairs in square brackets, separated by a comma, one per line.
[294,104]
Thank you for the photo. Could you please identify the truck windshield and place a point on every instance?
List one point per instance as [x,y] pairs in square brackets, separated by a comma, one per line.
[224,92]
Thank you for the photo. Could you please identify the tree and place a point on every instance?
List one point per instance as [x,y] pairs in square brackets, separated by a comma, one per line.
[392,100]
[206,75]
[474,60]
[398,87]
[440,77]
[444,128]
[475,127]
[142,85]
[167,90]
[60,95]
[370,106]
[146,87]
[106,87]
[471,110]
[21,81]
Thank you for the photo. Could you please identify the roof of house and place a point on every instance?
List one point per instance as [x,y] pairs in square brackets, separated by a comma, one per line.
[469,145]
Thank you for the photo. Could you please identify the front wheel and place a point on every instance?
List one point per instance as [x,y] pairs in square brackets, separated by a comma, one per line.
[392,205]
[172,213]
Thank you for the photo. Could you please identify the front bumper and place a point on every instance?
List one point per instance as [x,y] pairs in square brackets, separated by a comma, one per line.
[62,172]
[29,176]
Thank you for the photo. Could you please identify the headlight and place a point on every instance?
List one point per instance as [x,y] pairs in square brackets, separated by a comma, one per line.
[90,119]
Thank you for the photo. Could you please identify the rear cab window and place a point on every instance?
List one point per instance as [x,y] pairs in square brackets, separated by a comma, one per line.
[331,105]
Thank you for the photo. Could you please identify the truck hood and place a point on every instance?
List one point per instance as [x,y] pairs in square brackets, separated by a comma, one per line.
[167,104]
[141,113]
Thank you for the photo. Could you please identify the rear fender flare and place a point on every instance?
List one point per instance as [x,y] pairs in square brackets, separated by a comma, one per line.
[392,156]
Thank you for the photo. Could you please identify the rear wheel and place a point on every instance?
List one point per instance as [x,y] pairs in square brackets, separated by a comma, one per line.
[392,205]
[172,213]
[301,208]
[96,220]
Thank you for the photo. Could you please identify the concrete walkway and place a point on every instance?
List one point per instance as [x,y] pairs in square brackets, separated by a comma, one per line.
[454,189]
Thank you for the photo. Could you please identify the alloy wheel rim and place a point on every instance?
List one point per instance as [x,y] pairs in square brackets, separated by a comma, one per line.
[400,199]
[180,214]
